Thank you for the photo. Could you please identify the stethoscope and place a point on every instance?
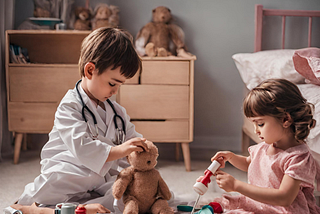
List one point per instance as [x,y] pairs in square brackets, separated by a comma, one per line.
[120,131]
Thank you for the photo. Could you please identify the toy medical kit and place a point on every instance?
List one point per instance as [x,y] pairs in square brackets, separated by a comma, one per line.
[201,186]
[206,209]
[80,210]
[216,207]
[65,208]
[185,208]
[10,210]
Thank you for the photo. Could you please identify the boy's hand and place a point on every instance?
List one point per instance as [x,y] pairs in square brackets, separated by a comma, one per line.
[33,209]
[133,145]
[95,208]
[225,181]
[222,157]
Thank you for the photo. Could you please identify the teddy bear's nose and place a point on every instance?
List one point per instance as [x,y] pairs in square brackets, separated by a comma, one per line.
[149,162]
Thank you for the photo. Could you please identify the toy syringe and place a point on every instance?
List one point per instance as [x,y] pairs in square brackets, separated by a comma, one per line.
[201,186]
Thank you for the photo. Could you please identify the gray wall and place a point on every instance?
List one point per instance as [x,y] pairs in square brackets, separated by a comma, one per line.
[214,31]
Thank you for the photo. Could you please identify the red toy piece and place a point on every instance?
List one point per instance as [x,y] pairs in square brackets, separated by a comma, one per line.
[216,207]
[80,210]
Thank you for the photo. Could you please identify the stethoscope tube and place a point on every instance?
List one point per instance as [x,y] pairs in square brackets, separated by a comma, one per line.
[85,107]
[117,116]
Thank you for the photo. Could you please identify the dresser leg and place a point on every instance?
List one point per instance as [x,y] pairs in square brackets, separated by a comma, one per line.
[177,152]
[17,147]
[186,156]
[25,142]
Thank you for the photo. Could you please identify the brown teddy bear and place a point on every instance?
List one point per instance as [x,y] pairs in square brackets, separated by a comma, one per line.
[83,17]
[141,185]
[160,37]
[105,16]
[40,12]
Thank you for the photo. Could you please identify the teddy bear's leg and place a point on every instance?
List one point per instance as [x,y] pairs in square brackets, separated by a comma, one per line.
[182,53]
[150,50]
[162,52]
[161,207]
[131,206]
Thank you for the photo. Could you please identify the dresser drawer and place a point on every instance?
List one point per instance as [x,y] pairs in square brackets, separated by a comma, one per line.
[41,83]
[31,117]
[164,131]
[165,72]
[134,79]
[155,101]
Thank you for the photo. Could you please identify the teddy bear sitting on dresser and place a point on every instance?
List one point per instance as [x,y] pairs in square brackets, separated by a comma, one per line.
[141,185]
[160,37]
[105,16]
[83,17]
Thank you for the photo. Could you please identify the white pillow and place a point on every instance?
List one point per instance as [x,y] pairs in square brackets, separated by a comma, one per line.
[259,66]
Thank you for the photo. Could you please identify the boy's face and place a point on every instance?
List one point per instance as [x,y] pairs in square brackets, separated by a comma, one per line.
[103,86]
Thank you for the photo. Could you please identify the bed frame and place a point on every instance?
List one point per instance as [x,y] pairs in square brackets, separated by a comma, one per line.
[247,128]
[260,13]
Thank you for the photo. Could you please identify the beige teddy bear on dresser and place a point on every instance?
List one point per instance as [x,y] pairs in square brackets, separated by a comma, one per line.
[105,16]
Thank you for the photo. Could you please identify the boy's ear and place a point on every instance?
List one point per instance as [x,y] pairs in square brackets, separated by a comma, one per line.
[287,120]
[88,69]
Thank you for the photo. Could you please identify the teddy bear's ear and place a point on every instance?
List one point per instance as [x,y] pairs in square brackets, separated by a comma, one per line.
[169,10]
[154,10]
[78,10]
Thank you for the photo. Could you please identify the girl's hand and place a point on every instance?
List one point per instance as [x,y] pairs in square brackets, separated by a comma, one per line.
[199,179]
[222,157]
[225,181]
[95,208]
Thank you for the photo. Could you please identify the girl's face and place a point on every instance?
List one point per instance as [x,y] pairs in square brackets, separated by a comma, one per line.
[269,129]
[103,86]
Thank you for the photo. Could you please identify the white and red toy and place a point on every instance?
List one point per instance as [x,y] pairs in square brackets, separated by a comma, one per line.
[201,187]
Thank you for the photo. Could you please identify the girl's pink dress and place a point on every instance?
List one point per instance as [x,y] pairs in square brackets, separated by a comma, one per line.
[268,171]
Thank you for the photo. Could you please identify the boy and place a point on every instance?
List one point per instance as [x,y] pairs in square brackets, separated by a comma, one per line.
[81,160]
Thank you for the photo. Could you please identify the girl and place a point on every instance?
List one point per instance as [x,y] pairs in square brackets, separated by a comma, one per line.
[281,170]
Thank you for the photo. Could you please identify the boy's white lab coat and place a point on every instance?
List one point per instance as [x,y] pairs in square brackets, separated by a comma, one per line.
[72,162]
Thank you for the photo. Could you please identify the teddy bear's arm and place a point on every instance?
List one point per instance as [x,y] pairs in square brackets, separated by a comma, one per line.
[142,38]
[122,182]
[177,35]
[164,189]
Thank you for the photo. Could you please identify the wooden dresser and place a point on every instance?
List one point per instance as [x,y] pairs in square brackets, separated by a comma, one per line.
[34,90]
[159,100]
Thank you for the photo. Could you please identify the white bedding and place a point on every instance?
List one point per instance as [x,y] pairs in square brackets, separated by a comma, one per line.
[312,93]
[259,66]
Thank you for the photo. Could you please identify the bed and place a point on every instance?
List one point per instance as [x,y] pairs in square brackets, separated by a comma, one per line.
[299,65]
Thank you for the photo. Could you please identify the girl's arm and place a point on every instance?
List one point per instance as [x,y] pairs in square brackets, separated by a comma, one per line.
[284,196]
[238,161]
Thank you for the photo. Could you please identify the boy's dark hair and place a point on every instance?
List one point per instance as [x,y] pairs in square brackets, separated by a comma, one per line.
[110,48]
[275,98]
